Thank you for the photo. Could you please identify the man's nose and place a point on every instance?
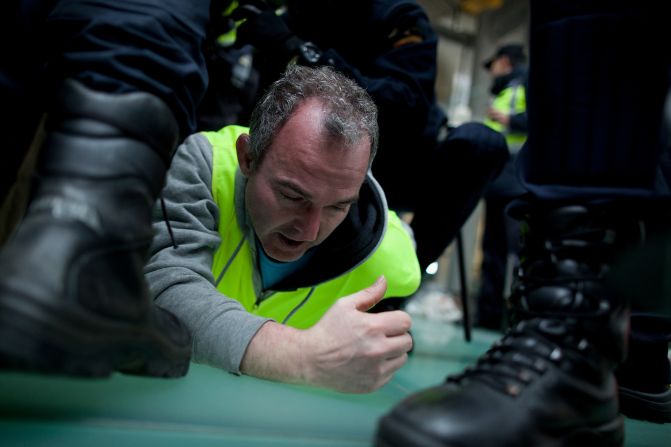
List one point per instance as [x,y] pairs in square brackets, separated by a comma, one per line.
[309,224]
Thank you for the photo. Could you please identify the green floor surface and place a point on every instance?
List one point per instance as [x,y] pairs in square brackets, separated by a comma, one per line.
[209,407]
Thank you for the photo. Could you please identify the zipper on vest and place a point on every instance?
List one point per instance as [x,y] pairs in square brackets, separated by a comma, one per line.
[229,262]
[262,297]
[295,309]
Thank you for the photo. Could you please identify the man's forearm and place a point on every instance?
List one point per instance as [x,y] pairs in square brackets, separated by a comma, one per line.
[276,353]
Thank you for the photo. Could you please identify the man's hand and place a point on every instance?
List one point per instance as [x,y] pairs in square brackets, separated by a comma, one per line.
[263,29]
[498,116]
[353,351]
[348,350]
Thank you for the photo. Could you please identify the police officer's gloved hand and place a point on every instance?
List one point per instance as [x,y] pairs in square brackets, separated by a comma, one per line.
[264,29]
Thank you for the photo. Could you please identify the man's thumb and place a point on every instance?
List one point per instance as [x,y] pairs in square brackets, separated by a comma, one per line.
[371,295]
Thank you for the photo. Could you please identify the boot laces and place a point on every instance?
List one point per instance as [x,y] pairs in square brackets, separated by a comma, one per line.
[524,354]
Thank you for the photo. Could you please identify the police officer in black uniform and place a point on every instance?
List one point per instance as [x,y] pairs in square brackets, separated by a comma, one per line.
[590,167]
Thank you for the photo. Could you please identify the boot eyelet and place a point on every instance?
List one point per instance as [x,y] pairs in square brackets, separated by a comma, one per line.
[513,389]
[525,376]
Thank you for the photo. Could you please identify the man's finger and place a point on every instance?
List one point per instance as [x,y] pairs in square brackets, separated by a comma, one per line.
[398,346]
[370,296]
[392,365]
[394,322]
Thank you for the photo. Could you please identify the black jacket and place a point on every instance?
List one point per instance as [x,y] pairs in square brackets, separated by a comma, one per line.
[389,48]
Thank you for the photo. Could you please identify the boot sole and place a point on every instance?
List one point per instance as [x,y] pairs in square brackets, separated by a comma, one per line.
[59,338]
[651,407]
[395,433]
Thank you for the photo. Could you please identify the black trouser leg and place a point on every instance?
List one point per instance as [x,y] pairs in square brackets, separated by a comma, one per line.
[457,175]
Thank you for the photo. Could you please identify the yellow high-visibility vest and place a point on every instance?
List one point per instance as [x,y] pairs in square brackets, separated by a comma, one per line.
[511,101]
[394,257]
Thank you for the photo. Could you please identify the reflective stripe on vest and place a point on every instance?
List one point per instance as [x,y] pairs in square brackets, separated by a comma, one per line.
[233,260]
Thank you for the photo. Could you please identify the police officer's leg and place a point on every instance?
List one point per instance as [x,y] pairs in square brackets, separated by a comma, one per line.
[499,241]
[640,275]
[593,138]
[72,293]
[644,378]
[453,179]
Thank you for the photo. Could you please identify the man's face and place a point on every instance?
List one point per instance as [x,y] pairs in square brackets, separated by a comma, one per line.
[501,66]
[304,186]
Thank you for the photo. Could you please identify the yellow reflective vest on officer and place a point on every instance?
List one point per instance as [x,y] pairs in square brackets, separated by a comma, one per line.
[511,101]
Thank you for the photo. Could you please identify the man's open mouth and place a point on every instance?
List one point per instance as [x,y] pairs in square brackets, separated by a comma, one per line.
[289,242]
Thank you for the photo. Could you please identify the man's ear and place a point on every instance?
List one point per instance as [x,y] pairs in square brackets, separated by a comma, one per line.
[244,157]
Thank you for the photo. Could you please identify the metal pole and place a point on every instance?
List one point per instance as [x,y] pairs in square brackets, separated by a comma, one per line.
[464,288]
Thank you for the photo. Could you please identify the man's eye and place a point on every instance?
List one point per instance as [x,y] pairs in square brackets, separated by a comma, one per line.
[290,197]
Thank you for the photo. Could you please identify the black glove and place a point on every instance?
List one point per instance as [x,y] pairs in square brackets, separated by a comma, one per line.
[263,29]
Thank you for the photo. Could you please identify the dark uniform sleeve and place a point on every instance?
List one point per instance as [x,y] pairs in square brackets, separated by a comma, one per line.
[519,121]
[133,45]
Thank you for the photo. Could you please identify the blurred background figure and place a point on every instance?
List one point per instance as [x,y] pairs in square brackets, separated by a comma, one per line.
[507,114]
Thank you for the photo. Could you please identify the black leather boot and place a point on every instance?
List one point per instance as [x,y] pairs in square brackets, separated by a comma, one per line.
[549,381]
[644,379]
[73,299]
[641,275]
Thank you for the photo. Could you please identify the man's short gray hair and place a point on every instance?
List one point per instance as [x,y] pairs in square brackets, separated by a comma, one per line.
[352,114]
